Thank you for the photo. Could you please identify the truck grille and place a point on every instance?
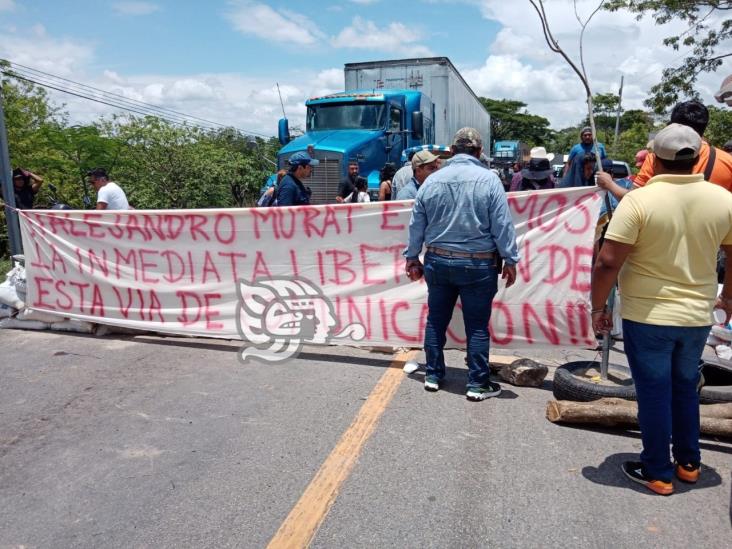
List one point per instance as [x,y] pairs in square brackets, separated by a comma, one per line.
[324,181]
[325,178]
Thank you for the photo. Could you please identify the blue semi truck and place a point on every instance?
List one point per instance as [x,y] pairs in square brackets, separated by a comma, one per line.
[387,107]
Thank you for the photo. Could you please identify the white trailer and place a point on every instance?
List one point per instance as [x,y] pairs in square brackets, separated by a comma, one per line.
[455,104]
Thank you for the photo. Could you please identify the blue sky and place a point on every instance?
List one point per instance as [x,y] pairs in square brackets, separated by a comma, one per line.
[220,59]
[168,37]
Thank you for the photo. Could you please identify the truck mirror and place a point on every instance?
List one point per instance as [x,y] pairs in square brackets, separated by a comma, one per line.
[417,124]
[283,131]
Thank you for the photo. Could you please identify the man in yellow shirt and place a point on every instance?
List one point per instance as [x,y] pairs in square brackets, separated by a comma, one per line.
[665,237]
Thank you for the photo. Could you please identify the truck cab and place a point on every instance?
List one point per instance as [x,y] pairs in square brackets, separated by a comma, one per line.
[372,127]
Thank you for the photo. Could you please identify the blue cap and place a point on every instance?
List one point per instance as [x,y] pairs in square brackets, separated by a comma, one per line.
[302,158]
[607,164]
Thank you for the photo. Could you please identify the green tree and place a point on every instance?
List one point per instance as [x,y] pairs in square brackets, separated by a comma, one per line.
[635,117]
[708,33]
[630,142]
[563,140]
[29,120]
[510,121]
[160,165]
[166,166]
[604,108]
[719,129]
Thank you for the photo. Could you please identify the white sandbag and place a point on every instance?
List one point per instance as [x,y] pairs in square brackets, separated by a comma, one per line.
[73,325]
[724,352]
[722,333]
[40,316]
[6,311]
[14,323]
[714,340]
[9,296]
[16,276]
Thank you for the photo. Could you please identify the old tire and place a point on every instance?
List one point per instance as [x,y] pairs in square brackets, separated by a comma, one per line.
[717,384]
[572,381]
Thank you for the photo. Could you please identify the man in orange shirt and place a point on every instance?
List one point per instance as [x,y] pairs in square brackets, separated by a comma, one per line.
[714,163]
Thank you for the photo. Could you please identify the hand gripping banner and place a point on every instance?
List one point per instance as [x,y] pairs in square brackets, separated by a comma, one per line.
[281,277]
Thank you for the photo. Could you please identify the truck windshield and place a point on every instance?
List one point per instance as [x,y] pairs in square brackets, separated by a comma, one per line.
[347,116]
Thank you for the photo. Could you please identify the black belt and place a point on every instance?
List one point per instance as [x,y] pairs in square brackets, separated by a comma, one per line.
[467,255]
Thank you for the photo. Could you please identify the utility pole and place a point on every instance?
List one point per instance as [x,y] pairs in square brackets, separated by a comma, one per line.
[617,117]
[6,180]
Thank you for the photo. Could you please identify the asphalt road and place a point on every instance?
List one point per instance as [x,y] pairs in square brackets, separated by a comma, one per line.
[171,442]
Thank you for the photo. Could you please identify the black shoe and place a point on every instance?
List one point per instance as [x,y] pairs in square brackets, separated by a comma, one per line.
[634,471]
[488,390]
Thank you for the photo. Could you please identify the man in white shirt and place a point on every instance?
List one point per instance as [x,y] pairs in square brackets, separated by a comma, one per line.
[110,196]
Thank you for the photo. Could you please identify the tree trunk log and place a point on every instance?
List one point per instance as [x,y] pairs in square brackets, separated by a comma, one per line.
[716,419]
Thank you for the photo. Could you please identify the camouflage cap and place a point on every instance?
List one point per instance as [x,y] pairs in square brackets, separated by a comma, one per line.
[467,137]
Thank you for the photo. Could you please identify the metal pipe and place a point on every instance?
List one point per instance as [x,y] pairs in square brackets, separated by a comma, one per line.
[6,179]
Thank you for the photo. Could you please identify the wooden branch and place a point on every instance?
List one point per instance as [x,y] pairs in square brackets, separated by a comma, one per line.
[716,419]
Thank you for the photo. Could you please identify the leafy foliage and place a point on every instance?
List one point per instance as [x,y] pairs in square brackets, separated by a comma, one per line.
[510,121]
[159,165]
[709,30]
[719,129]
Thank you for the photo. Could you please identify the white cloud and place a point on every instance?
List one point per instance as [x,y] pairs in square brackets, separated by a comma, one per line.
[135,8]
[328,81]
[38,50]
[395,38]
[520,65]
[7,5]
[269,24]
[244,102]
[364,2]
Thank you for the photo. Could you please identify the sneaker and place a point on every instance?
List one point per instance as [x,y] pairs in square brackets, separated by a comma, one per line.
[410,366]
[488,390]
[687,473]
[431,383]
[634,471]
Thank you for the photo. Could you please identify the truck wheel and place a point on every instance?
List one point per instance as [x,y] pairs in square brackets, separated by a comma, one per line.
[579,381]
[717,384]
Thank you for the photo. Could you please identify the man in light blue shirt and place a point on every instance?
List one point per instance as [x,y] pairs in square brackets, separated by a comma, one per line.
[461,214]
[424,163]
[401,178]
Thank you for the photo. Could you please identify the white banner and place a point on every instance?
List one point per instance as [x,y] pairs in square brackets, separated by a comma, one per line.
[280,277]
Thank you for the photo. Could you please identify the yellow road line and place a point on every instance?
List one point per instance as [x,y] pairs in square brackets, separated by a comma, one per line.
[308,514]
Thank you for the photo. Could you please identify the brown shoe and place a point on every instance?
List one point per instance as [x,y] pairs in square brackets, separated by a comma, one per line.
[687,473]
[634,471]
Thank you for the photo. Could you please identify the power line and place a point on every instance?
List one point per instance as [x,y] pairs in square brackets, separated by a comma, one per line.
[111,99]
[45,85]
[121,97]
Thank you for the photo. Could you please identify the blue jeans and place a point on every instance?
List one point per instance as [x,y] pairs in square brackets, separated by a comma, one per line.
[664,361]
[475,281]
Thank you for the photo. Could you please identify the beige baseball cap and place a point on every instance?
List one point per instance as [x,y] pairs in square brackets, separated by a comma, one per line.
[423,157]
[676,142]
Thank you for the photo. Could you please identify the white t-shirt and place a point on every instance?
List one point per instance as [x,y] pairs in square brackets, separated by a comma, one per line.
[361,197]
[113,196]
[400,179]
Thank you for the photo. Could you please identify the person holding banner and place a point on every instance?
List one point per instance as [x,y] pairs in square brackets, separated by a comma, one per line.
[664,236]
[292,191]
[461,214]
